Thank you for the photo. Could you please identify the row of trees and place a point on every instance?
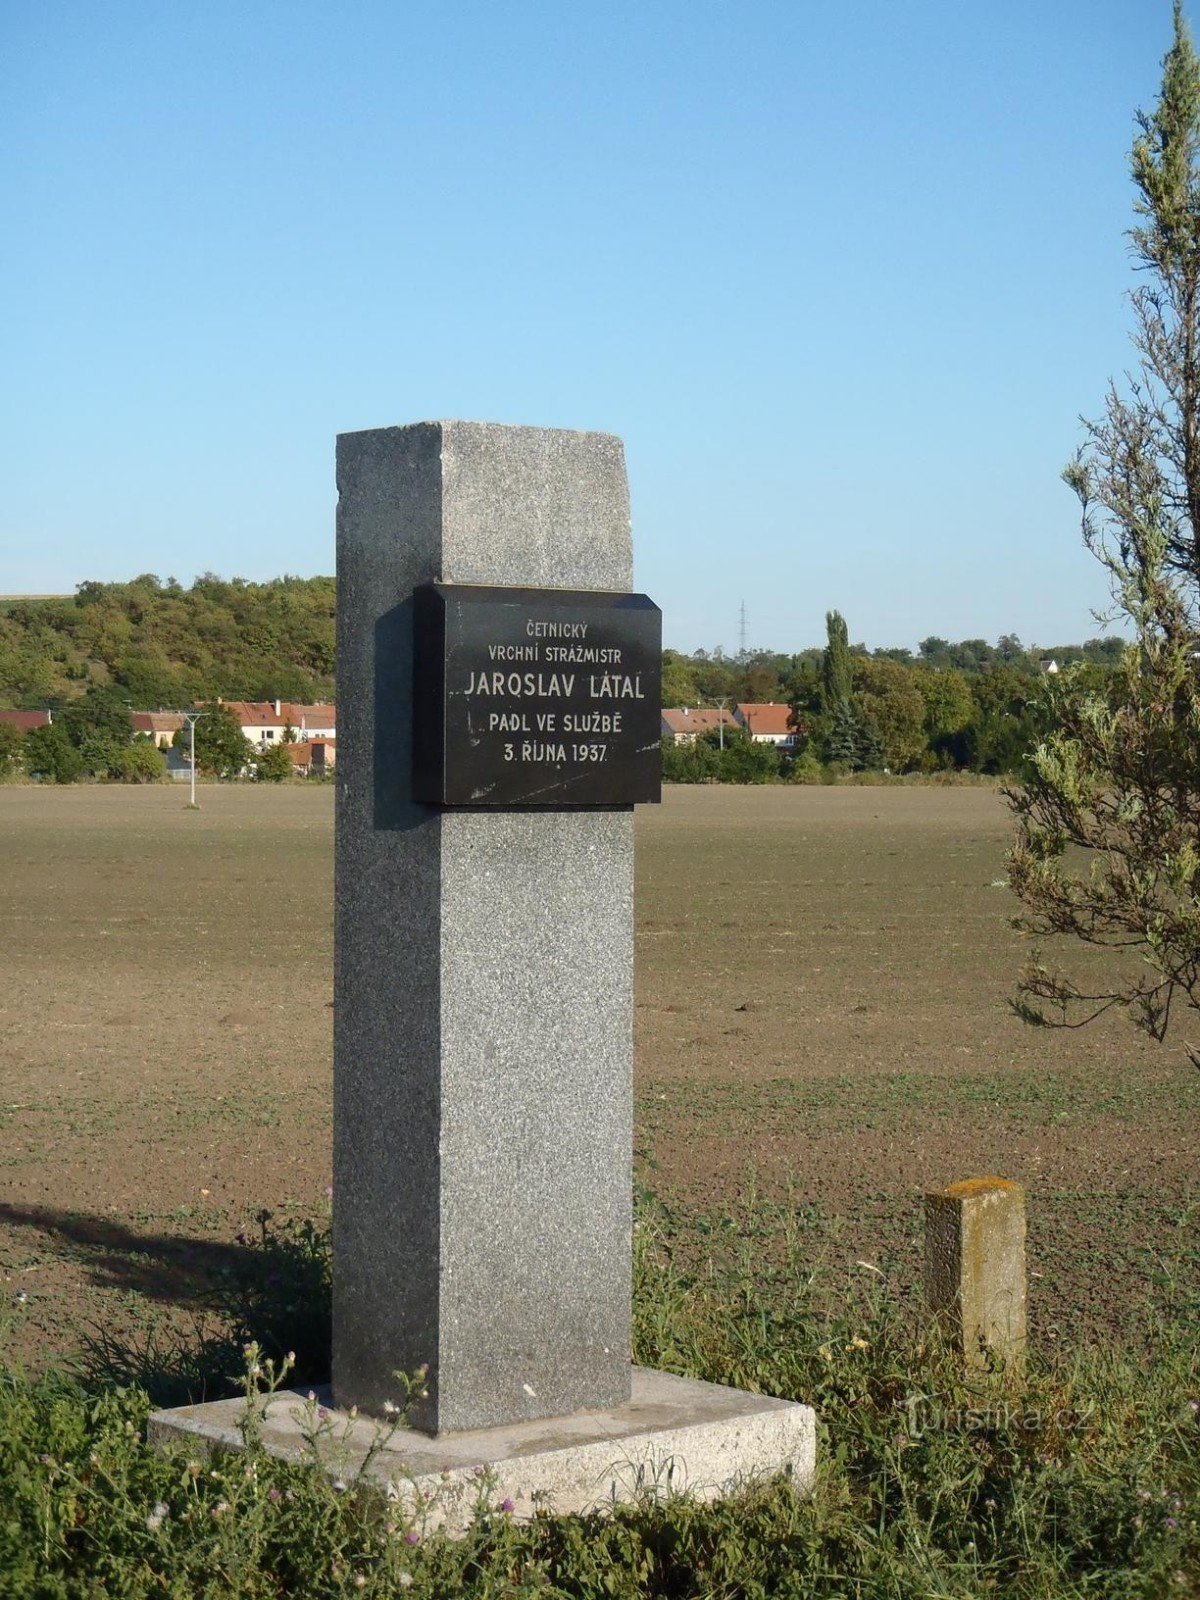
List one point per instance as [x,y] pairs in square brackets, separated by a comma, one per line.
[711,677]
[857,712]
[159,644]
[93,738]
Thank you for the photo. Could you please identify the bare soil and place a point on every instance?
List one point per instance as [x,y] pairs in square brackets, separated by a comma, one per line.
[823,1022]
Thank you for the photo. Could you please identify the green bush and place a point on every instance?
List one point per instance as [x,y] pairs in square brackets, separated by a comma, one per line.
[744,761]
[733,758]
[11,743]
[142,762]
[688,763]
[804,768]
[49,754]
[273,765]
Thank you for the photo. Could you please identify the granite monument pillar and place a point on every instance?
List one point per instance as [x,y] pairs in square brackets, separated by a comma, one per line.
[484,957]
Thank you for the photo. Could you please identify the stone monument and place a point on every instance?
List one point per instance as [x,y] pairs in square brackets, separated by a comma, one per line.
[498,718]
[484,948]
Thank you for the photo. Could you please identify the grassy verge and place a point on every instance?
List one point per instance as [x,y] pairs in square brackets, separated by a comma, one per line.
[1086,1481]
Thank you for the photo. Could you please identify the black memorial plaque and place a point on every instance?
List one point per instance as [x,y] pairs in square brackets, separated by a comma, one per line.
[535,697]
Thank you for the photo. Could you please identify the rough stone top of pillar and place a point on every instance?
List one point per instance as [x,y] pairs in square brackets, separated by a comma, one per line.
[543,507]
[974,1188]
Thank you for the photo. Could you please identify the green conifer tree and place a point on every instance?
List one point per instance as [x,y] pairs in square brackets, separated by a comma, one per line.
[869,753]
[841,742]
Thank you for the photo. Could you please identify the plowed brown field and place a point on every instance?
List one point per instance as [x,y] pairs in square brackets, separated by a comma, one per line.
[822,1020]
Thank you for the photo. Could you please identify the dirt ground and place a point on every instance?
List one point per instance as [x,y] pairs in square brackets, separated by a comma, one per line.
[822,1021]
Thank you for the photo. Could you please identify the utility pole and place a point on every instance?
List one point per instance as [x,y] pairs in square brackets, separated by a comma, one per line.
[193,717]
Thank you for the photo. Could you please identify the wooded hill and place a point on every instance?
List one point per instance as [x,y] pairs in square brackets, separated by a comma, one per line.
[164,645]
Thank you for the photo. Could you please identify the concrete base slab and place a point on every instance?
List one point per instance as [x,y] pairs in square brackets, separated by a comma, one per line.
[675,1435]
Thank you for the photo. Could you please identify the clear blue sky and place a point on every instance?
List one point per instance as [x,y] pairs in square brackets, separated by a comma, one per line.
[843,277]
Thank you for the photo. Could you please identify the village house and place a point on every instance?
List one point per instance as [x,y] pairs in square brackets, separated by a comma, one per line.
[767,724]
[159,726]
[264,722]
[686,724]
[310,758]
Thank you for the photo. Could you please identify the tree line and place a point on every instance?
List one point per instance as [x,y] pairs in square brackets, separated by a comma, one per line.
[112,647]
[966,707]
[94,739]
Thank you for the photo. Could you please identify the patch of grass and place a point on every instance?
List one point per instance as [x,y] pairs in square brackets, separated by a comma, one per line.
[1086,1480]
[277,1297]
[1037,1100]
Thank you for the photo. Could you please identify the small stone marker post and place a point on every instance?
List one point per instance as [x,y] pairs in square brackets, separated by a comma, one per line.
[975,1268]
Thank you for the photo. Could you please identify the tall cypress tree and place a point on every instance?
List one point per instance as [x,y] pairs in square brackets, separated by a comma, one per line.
[837,674]
[837,694]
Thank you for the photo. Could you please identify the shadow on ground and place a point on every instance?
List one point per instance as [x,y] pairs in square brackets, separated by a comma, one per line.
[162,1267]
[271,1287]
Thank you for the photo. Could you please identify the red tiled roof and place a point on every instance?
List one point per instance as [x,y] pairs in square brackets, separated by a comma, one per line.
[691,721]
[262,714]
[766,719]
[309,716]
[251,713]
[157,721]
[23,721]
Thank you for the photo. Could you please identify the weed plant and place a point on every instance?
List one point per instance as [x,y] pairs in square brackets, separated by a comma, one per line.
[1082,1480]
